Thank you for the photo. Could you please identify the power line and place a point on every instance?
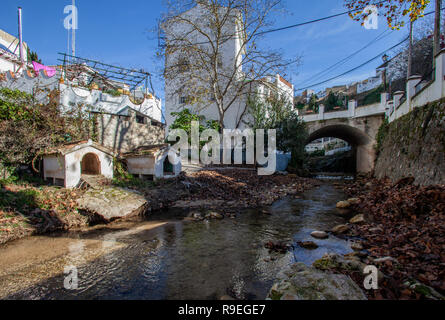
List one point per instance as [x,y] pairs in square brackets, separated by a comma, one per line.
[294,25]
[313,21]
[343,61]
[347,58]
[354,69]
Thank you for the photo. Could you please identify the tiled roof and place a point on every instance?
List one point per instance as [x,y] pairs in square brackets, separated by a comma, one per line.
[146,150]
[74,146]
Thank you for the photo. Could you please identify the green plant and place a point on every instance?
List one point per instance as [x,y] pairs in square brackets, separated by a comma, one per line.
[268,112]
[292,135]
[113,92]
[381,135]
[184,119]
[26,126]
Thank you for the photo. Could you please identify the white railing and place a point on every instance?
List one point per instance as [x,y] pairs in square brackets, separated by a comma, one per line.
[418,92]
[353,111]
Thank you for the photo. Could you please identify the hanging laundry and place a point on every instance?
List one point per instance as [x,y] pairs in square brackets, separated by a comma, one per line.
[50,71]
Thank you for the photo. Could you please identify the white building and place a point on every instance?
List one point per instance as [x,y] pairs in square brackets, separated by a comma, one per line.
[10,52]
[153,163]
[230,60]
[64,166]
[77,91]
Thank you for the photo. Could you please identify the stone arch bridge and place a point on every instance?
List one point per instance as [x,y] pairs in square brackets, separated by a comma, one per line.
[357,125]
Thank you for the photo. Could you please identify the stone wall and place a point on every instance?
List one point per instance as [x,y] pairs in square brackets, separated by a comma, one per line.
[124,133]
[414,145]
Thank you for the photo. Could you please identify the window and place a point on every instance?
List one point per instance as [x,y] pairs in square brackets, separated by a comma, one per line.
[140,119]
[183,65]
[183,100]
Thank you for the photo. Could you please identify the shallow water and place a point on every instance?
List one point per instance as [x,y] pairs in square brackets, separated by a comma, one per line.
[173,259]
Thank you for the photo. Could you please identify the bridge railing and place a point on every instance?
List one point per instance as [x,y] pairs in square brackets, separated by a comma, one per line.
[419,92]
[353,111]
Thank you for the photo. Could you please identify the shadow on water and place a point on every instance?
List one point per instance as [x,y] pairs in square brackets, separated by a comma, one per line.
[195,260]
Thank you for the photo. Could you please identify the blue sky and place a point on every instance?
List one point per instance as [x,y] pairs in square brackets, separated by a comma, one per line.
[118,32]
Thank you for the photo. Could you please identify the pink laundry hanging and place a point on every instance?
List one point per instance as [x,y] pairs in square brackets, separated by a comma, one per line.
[50,71]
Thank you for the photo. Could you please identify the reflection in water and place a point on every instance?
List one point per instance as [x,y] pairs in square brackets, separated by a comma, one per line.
[203,260]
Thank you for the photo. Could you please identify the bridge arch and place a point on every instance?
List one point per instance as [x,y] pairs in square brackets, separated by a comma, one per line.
[360,141]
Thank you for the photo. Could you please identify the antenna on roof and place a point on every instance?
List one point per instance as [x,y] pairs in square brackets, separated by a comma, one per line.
[73,40]
[22,57]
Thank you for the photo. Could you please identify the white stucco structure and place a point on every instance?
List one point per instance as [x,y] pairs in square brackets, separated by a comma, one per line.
[72,94]
[10,52]
[65,165]
[152,162]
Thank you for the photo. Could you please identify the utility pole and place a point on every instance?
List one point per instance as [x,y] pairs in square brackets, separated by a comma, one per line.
[437,29]
[410,50]
[73,39]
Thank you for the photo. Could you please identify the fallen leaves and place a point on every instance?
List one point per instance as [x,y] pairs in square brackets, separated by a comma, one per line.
[408,224]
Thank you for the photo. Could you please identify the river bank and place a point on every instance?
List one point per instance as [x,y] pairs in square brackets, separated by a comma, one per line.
[402,234]
[30,208]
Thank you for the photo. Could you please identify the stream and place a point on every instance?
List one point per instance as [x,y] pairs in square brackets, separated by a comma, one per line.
[164,257]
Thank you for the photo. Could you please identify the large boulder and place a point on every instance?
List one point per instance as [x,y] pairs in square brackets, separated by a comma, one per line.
[112,203]
[301,282]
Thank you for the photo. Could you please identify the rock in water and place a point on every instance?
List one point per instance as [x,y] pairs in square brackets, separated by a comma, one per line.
[358,219]
[319,235]
[301,282]
[111,203]
[310,245]
[340,229]
[343,205]
[354,201]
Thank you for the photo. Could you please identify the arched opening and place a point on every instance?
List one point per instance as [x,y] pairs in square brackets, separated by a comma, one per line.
[343,149]
[91,164]
[168,167]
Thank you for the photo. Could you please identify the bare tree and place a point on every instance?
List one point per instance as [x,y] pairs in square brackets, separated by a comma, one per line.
[212,52]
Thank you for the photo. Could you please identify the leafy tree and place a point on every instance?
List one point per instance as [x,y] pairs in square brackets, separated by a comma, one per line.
[291,137]
[268,112]
[32,56]
[27,127]
[313,103]
[184,119]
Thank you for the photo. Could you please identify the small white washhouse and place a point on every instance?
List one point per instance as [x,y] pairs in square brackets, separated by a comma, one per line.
[152,162]
[65,165]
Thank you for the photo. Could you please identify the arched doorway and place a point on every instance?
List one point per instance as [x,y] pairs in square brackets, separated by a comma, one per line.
[91,164]
[168,167]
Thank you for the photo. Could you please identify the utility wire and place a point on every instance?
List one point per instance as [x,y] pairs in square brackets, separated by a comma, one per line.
[354,69]
[295,25]
[347,58]
[343,61]
[314,21]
